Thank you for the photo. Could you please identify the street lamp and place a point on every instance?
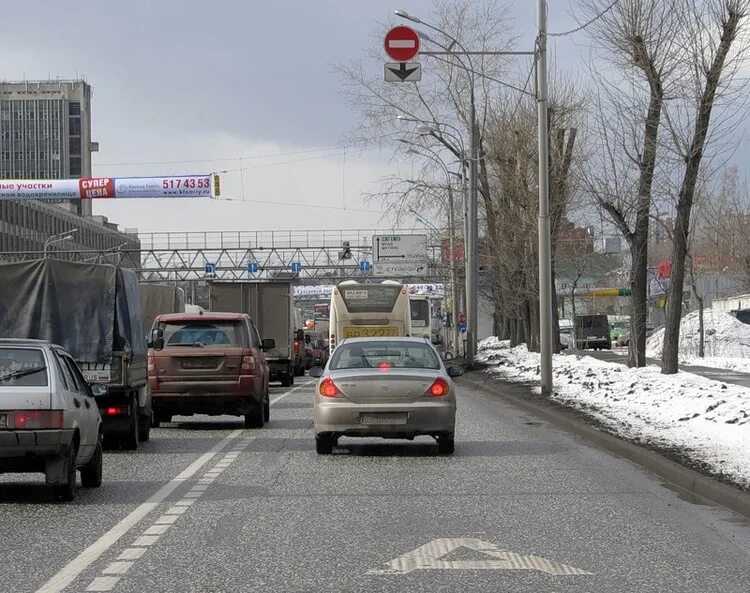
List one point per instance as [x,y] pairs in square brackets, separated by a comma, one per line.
[66,236]
[472,276]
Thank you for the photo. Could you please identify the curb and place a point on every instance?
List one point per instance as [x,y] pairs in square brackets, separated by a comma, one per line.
[683,477]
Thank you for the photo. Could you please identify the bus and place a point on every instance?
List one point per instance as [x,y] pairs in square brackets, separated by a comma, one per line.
[421,315]
[371,310]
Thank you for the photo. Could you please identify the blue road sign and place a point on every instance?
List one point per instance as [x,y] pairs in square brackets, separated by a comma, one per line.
[210,269]
[364,266]
[296,267]
[462,328]
[253,267]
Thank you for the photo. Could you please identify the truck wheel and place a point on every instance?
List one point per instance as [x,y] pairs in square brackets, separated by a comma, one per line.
[91,474]
[144,428]
[67,491]
[130,440]
[291,377]
[285,380]
[254,418]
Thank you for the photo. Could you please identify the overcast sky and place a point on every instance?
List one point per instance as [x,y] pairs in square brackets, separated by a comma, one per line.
[188,80]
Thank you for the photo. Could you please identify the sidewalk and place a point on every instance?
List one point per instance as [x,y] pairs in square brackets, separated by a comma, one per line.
[715,374]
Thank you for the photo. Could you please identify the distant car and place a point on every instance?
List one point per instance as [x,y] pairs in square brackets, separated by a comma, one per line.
[623,340]
[208,363]
[49,420]
[385,387]
[592,332]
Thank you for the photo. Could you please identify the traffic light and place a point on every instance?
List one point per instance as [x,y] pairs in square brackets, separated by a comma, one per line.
[346,253]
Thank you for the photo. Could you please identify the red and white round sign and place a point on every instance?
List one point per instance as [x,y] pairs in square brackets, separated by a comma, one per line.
[401,43]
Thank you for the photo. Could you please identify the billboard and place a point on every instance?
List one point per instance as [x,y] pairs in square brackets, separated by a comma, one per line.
[88,188]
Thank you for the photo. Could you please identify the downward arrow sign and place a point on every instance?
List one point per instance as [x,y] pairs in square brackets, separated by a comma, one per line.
[403,72]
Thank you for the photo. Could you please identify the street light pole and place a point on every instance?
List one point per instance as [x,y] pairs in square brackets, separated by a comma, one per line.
[56,239]
[472,240]
[545,242]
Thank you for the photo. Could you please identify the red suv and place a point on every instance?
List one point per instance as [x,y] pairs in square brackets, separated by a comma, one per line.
[208,363]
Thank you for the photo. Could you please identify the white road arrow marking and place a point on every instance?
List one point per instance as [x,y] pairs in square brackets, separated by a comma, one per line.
[430,557]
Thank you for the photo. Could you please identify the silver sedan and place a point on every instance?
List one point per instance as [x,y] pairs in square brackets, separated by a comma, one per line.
[385,387]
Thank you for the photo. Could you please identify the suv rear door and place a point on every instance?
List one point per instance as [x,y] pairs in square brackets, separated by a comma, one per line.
[201,355]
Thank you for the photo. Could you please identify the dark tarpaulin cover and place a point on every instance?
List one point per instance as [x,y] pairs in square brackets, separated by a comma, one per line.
[160,298]
[86,308]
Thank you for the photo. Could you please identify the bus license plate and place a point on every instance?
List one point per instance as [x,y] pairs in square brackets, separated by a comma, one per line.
[369,332]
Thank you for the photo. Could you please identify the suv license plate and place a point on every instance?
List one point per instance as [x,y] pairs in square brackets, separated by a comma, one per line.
[3,421]
[397,418]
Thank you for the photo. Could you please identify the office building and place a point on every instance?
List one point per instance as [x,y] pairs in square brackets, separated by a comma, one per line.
[45,132]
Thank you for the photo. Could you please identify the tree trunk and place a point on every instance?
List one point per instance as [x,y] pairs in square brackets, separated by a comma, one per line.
[573,335]
[693,158]
[701,329]
[639,307]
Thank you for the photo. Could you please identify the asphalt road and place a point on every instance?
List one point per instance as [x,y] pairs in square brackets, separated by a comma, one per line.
[208,506]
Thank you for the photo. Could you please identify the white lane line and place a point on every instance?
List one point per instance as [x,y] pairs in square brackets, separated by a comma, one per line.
[166,519]
[75,567]
[292,390]
[146,540]
[175,510]
[192,494]
[199,488]
[118,567]
[103,584]
[156,530]
[183,503]
[131,553]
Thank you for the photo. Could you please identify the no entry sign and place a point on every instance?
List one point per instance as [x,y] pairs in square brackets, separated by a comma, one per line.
[401,43]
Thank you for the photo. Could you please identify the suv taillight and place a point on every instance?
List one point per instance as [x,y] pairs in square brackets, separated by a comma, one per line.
[248,365]
[37,419]
[439,388]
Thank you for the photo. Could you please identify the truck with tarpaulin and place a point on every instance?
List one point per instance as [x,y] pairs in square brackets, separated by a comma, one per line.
[94,311]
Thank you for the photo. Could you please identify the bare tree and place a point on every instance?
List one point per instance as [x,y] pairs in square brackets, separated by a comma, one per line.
[637,38]
[711,29]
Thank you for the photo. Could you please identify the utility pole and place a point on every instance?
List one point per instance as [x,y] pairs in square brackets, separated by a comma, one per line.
[545,243]
[472,247]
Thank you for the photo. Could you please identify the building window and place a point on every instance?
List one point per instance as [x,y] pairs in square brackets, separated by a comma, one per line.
[75,146]
[74,108]
[75,166]
[74,126]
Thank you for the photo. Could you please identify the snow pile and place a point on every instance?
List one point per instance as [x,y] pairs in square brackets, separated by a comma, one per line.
[725,337]
[702,420]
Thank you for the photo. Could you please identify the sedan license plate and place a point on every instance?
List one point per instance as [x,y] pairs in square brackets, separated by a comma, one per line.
[383,418]
[351,331]
[3,421]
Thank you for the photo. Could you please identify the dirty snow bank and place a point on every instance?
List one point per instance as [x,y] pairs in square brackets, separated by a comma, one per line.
[705,421]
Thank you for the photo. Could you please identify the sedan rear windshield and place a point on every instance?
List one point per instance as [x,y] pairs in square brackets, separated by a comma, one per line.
[203,333]
[22,367]
[385,354]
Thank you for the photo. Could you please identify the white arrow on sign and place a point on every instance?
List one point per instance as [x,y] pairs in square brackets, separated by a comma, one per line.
[430,557]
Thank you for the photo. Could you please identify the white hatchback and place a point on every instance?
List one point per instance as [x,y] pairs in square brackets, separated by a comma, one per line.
[49,421]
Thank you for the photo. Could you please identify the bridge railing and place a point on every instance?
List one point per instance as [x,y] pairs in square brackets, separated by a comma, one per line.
[264,239]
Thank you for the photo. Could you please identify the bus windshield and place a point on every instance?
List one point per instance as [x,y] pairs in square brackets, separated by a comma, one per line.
[420,313]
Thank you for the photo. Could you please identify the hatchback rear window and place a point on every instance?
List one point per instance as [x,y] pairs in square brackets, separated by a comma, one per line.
[203,333]
[22,367]
[384,354]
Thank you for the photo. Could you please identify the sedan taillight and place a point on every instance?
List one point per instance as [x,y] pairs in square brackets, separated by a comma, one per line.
[328,388]
[37,419]
[439,388]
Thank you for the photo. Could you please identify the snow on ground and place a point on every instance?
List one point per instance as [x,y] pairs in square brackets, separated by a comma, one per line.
[704,420]
[726,339]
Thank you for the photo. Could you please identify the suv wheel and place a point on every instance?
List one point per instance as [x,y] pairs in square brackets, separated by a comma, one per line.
[254,418]
[91,474]
[267,408]
[67,491]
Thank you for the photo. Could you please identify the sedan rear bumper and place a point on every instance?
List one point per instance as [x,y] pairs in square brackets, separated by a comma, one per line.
[421,418]
[26,450]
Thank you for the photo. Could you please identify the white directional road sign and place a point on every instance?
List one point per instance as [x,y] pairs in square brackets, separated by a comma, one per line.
[399,268]
[395,248]
[403,71]
[433,556]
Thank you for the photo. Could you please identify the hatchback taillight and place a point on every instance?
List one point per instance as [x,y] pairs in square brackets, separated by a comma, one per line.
[248,365]
[439,388]
[37,419]
[328,388]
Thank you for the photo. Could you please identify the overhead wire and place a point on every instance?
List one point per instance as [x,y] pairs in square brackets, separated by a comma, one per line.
[587,23]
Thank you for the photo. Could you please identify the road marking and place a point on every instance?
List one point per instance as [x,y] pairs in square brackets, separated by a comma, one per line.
[81,562]
[166,519]
[118,567]
[131,553]
[146,540]
[103,584]
[430,557]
